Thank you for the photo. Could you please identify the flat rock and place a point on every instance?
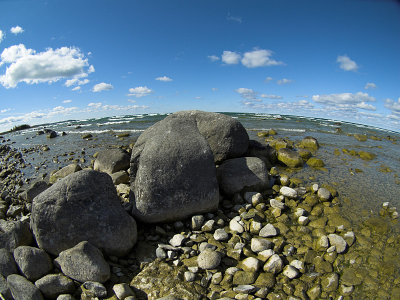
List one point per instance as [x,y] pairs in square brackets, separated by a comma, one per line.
[244,173]
[53,285]
[82,206]
[22,289]
[33,262]
[111,161]
[84,262]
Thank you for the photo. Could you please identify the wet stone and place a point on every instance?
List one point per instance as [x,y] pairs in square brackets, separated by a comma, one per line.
[268,231]
[208,259]
[221,235]
[337,241]
[290,272]
[258,245]
[324,194]
[288,192]
[274,264]
[177,240]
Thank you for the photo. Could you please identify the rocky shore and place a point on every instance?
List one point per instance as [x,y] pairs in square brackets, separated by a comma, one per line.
[192,210]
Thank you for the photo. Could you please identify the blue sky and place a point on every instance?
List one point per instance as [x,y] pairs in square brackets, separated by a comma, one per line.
[78,59]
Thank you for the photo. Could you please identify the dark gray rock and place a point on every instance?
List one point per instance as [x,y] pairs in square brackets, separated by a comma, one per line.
[243,174]
[35,189]
[120,177]
[14,234]
[33,262]
[7,263]
[264,152]
[53,285]
[4,289]
[51,134]
[82,206]
[111,161]
[22,289]
[84,262]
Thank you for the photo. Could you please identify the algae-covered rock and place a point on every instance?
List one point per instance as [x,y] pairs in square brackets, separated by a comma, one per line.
[366,155]
[305,154]
[360,137]
[315,162]
[265,280]
[290,158]
[310,143]
[350,277]
[243,277]
[159,279]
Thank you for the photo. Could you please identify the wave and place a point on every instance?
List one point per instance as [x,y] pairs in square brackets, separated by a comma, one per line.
[104,131]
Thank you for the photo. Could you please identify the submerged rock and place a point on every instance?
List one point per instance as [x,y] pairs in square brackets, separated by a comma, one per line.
[290,158]
[309,143]
[82,206]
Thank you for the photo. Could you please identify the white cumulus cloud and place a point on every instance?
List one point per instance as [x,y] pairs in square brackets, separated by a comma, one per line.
[346,101]
[102,87]
[271,96]
[67,101]
[248,94]
[139,91]
[16,30]
[164,78]
[77,88]
[230,57]
[1,35]
[26,65]
[284,81]
[394,106]
[370,85]
[345,63]
[259,58]
[213,57]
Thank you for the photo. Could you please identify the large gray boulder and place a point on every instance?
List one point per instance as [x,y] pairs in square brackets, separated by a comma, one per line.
[14,234]
[22,289]
[32,262]
[7,263]
[84,262]
[243,174]
[111,161]
[83,206]
[53,285]
[172,169]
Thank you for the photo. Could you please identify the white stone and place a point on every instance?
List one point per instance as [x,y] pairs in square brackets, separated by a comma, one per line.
[385,204]
[298,264]
[208,226]
[204,246]
[324,194]
[221,235]
[122,290]
[258,245]
[338,242]
[300,212]
[266,254]
[314,188]
[303,220]
[350,238]
[251,264]
[189,276]
[284,179]
[288,192]
[231,270]
[331,249]
[193,269]
[268,231]
[276,204]
[177,240]
[323,241]
[245,289]
[274,264]
[197,222]
[256,199]
[208,259]
[235,226]
[290,272]
[255,227]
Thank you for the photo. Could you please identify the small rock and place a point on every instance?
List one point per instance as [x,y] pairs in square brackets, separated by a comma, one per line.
[208,259]
[189,276]
[122,290]
[274,264]
[330,282]
[299,265]
[65,297]
[93,289]
[245,289]
[204,246]
[160,253]
[266,254]
[268,231]
[314,188]
[33,262]
[21,288]
[288,192]
[235,226]
[221,235]
[258,245]
[53,285]
[208,226]
[303,220]
[338,242]
[4,289]
[324,194]
[299,212]
[251,264]
[276,204]
[177,240]
[290,272]
[350,238]
[197,222]
[7,263]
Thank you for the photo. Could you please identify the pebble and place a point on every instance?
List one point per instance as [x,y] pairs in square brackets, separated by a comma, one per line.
[249,195]
[258,245]
[266,254]
[245,289]
[288,192]
[208,259]
[193,269]
[276,204]
[221,235]
[324,194]
[284,179]
[314,188]
[208,226]
[303,220]
[255,227]
[95,288]
[197,222]
[290,272]
[189,276]
[216,278]
[177,240]
[235,226]
[338,242]
[323,241]
[122,290]
[298,264]
[268,231]
[251,264]
[256,199]
[299,212]
[274,264]
[350,238]
[204,246]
